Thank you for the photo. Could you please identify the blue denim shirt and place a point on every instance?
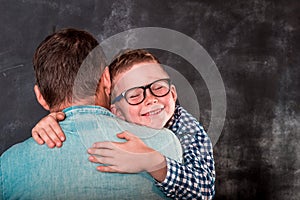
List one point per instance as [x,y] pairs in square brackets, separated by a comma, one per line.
[30,171]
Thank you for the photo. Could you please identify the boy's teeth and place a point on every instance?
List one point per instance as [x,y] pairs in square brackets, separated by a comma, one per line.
[154,112]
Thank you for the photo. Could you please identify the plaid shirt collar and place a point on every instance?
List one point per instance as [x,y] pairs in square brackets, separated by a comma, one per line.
[172,122]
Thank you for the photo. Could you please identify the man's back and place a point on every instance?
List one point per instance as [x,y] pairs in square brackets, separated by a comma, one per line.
[30,171]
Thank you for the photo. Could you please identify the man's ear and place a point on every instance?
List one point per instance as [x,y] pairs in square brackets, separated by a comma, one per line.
[106,81]
[173,92]
[116,111]
[40,98]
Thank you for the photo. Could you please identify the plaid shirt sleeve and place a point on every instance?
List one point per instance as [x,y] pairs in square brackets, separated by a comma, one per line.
[195,177]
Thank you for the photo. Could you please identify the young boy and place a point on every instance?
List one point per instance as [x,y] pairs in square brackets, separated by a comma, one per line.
[142,94]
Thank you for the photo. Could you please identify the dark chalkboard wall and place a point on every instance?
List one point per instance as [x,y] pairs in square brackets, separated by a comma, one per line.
[255,45]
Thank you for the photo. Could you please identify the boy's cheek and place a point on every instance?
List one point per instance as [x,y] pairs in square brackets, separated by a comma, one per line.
[117,111]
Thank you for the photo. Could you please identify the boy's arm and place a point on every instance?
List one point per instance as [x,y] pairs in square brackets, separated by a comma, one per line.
[48,131]
[132,156]
[192,180]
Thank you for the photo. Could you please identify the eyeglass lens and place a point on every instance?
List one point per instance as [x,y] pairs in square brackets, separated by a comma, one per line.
[137,95]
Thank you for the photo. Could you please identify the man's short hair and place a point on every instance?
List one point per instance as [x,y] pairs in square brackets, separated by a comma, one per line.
[57,62]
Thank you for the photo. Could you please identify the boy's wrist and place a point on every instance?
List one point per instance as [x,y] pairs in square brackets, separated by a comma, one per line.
[157,167]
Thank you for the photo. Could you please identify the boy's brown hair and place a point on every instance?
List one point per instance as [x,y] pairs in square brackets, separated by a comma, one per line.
[127,59]
[57,61]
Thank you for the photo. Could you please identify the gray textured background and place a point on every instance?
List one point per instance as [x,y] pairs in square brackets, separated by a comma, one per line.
[255,45]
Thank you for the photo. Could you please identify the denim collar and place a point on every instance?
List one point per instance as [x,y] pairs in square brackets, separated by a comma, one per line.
[90,109]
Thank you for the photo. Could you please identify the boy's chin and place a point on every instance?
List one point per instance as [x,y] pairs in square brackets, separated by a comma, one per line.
[156,127]
[153,125]
[156,124]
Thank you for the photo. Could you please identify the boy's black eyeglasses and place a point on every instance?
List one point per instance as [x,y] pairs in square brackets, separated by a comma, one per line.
[137,95]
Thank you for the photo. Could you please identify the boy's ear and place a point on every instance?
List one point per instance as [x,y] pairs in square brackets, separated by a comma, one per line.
[40,98]
[173,92]
[116,111]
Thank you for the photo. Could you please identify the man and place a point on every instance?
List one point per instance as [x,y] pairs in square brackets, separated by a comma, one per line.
[67,79]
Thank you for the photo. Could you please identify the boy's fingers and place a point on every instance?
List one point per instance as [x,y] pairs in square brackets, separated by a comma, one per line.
[58,131]
[106,145]
[54,138]
[101,152]
[61,136]
[48,132]
[126,135]
[92,159]
[107,169]
[53,130]
[60,116]
[57,116]
[101,160]
[36,137]
[46,138]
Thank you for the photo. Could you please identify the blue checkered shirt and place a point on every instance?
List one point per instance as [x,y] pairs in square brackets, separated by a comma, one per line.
[195,178]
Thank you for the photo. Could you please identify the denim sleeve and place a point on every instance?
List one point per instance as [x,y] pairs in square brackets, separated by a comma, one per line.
[1,182]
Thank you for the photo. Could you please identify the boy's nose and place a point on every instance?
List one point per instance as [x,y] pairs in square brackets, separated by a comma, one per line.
[150,98]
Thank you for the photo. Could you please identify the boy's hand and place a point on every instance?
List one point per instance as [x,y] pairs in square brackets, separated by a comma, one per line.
[48,130]
[132,156]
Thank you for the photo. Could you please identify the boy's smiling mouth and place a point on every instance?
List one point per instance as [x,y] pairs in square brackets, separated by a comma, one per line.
[153,112]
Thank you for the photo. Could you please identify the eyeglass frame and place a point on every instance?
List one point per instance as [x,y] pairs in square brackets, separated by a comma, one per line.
[145,87]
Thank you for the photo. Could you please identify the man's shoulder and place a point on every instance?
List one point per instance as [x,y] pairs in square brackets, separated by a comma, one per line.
[144,131]
[112,125]
[19,149]
[92,127]
[16,157]
[162,140]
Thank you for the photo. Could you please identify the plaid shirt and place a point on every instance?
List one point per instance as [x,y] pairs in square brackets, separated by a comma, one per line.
[194,179]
